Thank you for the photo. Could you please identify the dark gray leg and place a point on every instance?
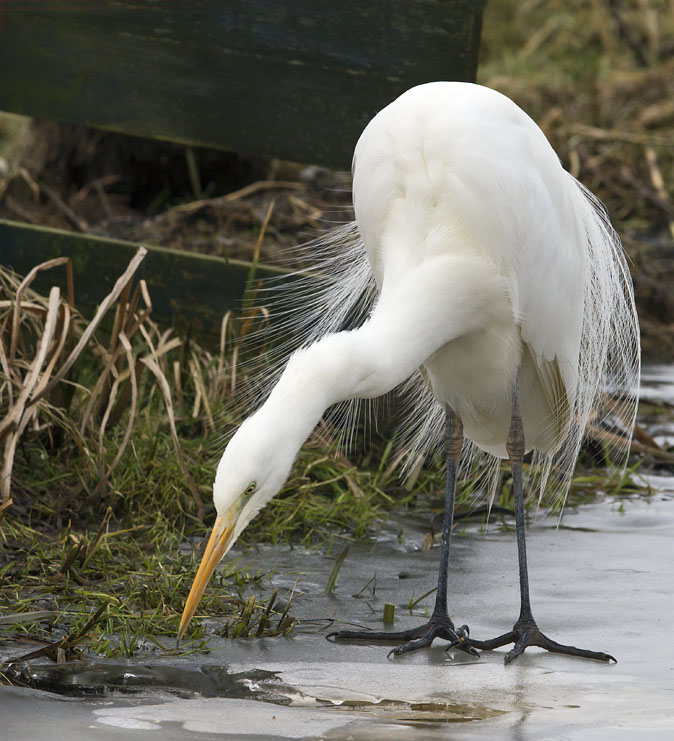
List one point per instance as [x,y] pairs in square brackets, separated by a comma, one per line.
[440,625]
[525,632]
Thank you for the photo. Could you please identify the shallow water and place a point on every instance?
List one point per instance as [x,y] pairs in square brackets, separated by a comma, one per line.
[602,580]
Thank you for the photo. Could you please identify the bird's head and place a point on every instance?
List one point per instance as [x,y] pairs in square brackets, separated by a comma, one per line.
[251,471]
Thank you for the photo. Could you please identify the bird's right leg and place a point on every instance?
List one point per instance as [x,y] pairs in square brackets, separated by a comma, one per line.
[525,632]
[440,624]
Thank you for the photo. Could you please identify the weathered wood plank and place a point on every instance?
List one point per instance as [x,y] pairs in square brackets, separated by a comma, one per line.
[297,79]
[187,289]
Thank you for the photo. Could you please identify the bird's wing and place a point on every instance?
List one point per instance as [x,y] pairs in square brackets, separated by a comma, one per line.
[548,296]
[515,204]
[549,287]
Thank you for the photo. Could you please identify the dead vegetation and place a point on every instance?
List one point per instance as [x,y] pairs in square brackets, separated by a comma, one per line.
[41,339]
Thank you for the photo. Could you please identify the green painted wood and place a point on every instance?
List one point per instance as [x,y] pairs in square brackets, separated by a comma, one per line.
[186,288]
[295,79]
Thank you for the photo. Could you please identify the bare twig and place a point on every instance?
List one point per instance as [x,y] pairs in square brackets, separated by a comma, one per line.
[199,383]
[17,418]
[74,219]
[132,412]
[25,283]
[636,446]
[166,391]
[235,195]
[107,302]
[658,182]
[594,132]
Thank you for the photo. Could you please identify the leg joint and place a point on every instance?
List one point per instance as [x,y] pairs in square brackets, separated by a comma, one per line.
[453,433]
[515,439]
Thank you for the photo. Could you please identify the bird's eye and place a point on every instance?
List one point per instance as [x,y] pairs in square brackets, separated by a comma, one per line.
[250,489]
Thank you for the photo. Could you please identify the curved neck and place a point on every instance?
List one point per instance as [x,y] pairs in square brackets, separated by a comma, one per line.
[432,305]
[314,378]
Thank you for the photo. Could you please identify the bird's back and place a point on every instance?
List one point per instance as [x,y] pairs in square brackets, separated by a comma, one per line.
[453,166]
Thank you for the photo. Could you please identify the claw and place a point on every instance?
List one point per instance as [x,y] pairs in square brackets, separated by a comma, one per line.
[462,643]
[517,649]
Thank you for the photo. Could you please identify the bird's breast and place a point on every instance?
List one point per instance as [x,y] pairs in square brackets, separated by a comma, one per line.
[475,374]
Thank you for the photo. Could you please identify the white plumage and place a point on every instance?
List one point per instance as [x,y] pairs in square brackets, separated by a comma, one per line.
[474,256]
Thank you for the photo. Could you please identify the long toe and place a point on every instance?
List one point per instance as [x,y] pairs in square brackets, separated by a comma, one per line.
[549,645]
[408,640]
[502,640]
[374,636]
[530,635]
[424,642]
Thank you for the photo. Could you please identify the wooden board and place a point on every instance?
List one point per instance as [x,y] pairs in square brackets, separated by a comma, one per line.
[188,289]
[294,79]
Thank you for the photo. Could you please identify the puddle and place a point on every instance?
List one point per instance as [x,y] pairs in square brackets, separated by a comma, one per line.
[602,580]
[658,389]
[104,678]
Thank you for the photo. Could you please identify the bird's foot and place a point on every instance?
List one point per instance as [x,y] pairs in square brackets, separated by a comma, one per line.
[526,633]
[415,638]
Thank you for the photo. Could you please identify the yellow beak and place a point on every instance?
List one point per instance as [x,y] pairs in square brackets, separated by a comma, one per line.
[218,545]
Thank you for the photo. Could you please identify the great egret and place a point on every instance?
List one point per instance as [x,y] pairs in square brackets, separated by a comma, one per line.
[486,274]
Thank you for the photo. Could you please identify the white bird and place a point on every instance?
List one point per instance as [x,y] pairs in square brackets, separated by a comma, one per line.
[491,282]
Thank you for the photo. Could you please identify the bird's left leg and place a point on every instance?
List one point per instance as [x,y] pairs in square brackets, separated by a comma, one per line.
[440,624]
[525,632]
